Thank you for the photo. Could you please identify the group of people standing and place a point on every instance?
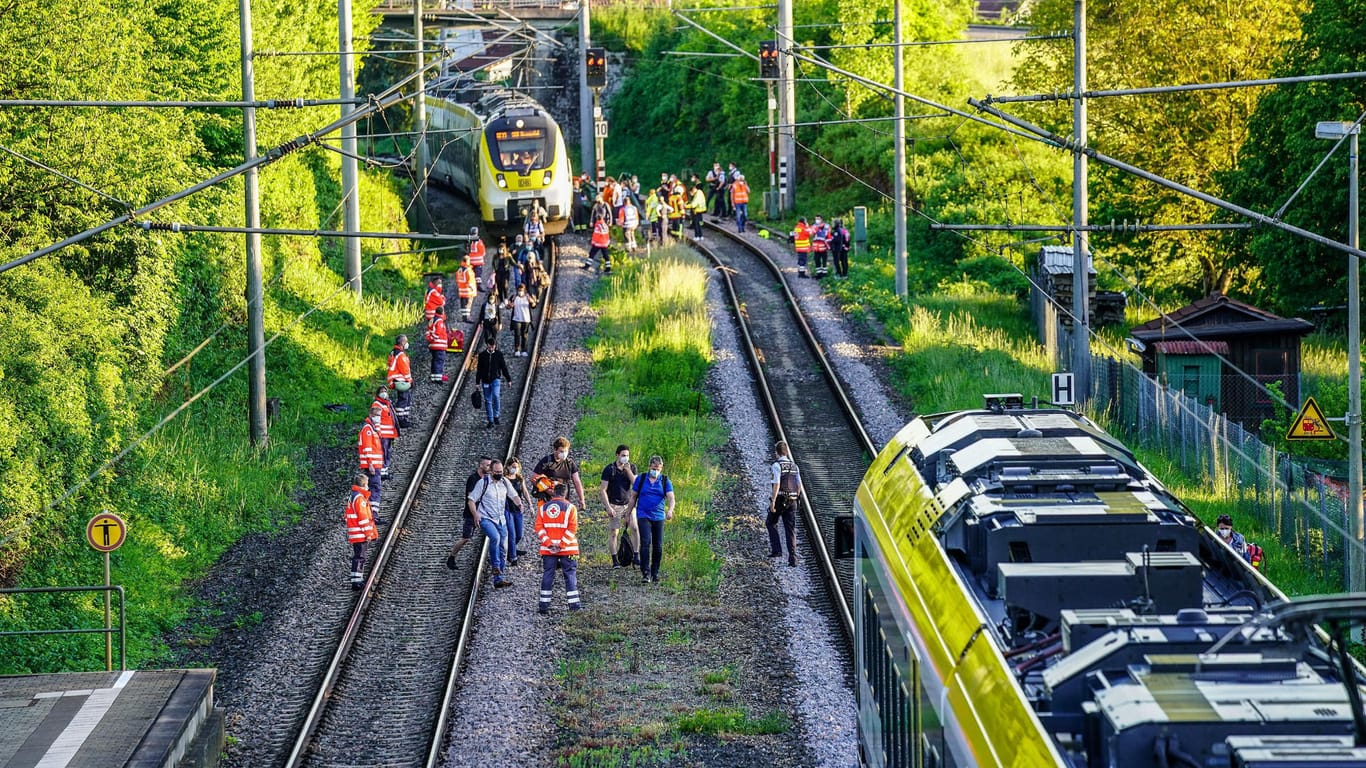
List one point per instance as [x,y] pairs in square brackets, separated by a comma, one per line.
[819,242]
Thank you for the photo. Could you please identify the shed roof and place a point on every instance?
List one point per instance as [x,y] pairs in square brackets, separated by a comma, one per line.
[1218,316]
[1192,347]
[1058,260]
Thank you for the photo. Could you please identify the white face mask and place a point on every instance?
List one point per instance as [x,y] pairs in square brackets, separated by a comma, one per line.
[405,345]
[1225,533]
[654,474]
[561,455]
[623,460]
[376,419]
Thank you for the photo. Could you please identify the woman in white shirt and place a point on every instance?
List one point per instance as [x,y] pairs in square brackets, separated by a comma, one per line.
[521,320]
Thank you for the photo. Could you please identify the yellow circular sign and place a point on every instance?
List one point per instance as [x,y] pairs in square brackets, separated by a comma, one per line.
[106,532]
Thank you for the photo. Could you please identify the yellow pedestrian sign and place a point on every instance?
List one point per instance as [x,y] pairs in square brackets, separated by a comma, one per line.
[106,532]
[1310,424]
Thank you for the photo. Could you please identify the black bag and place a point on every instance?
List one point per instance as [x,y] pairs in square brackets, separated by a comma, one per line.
[789,482]
[626,554]
[477,398]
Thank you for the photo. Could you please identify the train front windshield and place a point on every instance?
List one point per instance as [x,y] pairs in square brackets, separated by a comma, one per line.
[520,150]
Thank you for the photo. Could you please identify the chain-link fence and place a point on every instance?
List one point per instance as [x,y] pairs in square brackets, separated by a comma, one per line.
[1301,502]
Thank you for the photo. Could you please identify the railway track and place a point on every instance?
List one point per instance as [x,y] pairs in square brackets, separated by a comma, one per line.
[804,399]
[383,698]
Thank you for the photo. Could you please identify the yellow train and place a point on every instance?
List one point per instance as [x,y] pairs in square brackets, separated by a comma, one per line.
[507,154]
[1027,594]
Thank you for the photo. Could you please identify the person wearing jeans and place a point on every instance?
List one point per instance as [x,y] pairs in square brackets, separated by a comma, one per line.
[652,495]
[492,370]
[487,503]
[515,522]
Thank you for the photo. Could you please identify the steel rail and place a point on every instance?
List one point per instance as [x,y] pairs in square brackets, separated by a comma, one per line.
[815,536]
[351,632]
[514,442]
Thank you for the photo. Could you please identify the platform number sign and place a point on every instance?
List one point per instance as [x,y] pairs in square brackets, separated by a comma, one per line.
[106,532]
[1064,389]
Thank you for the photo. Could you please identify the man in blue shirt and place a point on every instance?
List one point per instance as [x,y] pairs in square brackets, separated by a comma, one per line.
[652,495]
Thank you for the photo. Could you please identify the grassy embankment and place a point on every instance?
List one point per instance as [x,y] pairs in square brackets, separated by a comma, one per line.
[619,704]
[197,486]
[962,340]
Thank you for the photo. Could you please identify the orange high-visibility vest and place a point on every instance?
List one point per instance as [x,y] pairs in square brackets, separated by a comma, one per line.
[388,427]
[399,368]
[438,336]
[602,234]
[435,298]
[477,253]
[739,192]
[820,240]
[465,283]
[802,238]
[557,523]
[371,450]
[360,526]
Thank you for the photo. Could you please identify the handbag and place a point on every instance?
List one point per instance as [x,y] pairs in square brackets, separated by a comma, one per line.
[477,398]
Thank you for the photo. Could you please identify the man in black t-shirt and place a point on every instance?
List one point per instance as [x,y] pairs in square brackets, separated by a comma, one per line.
[558,466]
[615,490]
[467,527]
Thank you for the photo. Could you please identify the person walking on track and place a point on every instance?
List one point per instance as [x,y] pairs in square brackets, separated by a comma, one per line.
[782,503]
[652,495]
[617,479]
[438,341]
[521,321]
[371,452]
[401,380]
[557,528]
[559,467]
[436,299]
[388,426]
[466,286]
[512,470]
[360,527]
[739,199]
[477,253]
[491,371]
[488,502]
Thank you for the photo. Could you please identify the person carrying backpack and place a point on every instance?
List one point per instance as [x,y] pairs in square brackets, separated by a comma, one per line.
[617,480]
[782,505]
[652,495]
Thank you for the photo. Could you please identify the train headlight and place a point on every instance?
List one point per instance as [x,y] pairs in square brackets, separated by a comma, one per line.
[545,179]
[502,182]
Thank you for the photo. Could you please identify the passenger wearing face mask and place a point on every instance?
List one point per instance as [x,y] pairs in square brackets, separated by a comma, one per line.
[401,380]
[652,495]
[467,527]
[521,305]
[487,503]
[617,479]
[559,467]
[1231,537]
[371,451]
[515,521]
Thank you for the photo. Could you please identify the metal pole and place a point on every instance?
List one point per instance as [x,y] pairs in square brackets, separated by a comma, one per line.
[598,157]
[787,111]
[770,208]
[1081,340]
[421,218]
[1358,562]
[108,625]
[586,141]
[899,139]
[256,318]
[350,180]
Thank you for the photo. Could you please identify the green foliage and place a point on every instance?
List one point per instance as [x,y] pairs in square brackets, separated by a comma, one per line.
[1193,138]
[87,335]
[1280,152]
[731,721]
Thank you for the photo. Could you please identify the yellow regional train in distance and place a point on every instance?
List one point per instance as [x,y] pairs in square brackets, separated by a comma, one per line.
[1027,594]
[506,153]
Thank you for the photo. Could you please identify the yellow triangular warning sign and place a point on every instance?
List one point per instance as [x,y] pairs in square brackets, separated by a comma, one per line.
[1310,424]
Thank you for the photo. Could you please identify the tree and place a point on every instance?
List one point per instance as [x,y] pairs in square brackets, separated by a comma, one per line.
[1280,152]
[1192,138]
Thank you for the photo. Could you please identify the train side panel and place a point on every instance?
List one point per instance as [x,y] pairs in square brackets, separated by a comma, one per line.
[918,630]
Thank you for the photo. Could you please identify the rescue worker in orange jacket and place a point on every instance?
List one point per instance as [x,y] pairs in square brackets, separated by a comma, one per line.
[438,341]
[820,247]
[388,425]
[466,286]
[477,252]
[435,298]
[598,244]
[401,380]
[801,239]
[360,527]
[739,199]
[372,458]
[557,526]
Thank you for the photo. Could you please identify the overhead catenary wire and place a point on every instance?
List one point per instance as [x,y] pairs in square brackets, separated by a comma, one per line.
[44,167]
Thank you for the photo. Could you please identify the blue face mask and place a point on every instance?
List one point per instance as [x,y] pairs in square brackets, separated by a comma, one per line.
[654,474]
